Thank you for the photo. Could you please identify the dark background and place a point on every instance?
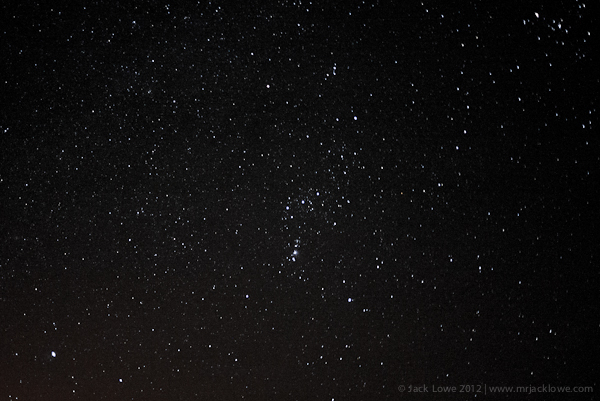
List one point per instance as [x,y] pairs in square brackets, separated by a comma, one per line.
[433,165]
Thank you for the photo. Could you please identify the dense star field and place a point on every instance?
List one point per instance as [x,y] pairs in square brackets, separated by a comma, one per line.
[297,200]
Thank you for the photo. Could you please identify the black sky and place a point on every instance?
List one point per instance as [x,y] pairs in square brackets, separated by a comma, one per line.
[297,200]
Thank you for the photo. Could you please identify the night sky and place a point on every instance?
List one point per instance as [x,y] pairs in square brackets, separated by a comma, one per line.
[297,200]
